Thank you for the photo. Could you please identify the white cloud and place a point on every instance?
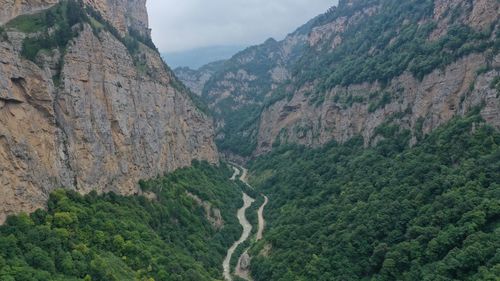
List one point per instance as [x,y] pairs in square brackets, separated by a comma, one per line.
[180,25]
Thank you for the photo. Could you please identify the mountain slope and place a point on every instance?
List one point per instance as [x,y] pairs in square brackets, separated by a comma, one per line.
[346,212]
[237,88]
[361,64]
[87,103]
[416,64]
[166,236]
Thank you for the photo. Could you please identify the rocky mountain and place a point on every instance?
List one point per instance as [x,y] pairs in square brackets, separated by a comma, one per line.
[198,57]
[195,80]
[87,103]
[12,9]
[236,89]
[364,68]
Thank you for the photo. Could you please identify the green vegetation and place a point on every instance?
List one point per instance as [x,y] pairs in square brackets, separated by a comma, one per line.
[110,237]
[55,27]
[380,102]
[240,129]
[49,29]
[131,40]
[41,21]
[345,212]
[495,84]
[386,44]
[381,40]
[241,111]
[3,34]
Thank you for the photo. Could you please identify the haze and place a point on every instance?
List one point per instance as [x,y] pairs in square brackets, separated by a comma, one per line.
[180,26]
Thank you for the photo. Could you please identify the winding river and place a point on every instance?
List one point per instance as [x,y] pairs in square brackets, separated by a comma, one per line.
[247,228]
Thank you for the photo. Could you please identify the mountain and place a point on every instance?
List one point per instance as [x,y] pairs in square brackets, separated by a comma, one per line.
[87,103]
[371,137]
[180,231]
[199,57]
[387,212]
[361,65]
[196,79]
[238,88]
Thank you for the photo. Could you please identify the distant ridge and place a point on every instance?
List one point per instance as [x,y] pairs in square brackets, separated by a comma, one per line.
[196,58]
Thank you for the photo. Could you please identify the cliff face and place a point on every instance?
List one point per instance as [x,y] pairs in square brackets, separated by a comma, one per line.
[195,80]
[103,120]
[368,64]
[417,104]
[13,8]
[424,106]
[131,14]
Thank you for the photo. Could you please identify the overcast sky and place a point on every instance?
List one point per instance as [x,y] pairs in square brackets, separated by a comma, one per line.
[180,25]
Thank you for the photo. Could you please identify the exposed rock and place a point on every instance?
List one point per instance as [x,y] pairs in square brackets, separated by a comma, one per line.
[434,100]
[213,215]
[419,105]
[196,79]
[13,8]
[131,14]
[106,125]
[245,261]
[245,81]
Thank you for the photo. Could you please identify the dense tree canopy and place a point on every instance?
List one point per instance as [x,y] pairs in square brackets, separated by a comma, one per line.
[110,237]
[344,212]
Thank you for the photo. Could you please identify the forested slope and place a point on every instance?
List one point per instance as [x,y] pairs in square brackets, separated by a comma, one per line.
[344,212]
[414,63]
[110,237]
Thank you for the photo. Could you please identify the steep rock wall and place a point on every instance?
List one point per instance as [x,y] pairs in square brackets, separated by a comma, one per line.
[419,105]
[103,125]
[13,8]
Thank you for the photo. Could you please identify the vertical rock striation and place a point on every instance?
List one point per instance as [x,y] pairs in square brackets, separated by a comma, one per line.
[110,119]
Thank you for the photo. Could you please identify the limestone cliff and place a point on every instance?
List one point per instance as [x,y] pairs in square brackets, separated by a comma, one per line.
[359,67]
[13,8]
[92,116]
[424,106]
[420,104]
[131,14]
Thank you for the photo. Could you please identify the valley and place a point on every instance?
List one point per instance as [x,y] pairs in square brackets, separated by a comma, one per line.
[247,228]
[365,145]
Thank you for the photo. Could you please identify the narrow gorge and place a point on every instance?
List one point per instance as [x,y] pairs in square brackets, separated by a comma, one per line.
[363,145]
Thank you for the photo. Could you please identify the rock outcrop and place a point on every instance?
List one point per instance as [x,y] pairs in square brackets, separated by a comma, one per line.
[420,106]
[195,80]
[242,84]
[302,101]
[13,8]
[212,214]
[107,119]
[131,14]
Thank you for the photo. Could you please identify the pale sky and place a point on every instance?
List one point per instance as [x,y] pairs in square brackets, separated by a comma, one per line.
[180,25]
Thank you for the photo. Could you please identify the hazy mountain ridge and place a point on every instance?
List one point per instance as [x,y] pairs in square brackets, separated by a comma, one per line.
[199,57]
[240,86]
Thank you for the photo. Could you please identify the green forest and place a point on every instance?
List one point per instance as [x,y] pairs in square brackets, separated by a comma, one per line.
[109,237]
[423,209]
[345,212]
[392,41]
